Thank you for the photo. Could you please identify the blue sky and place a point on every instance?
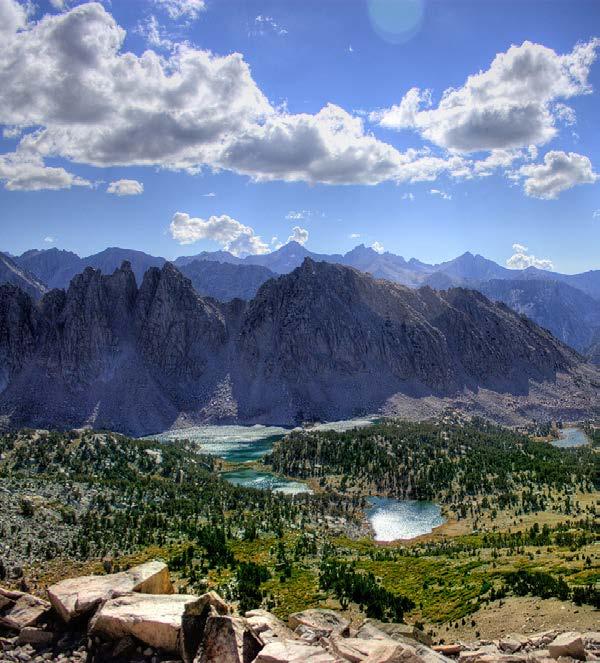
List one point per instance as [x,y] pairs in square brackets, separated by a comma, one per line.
[383,165]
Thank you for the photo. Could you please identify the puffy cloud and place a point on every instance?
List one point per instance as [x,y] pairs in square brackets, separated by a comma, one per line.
[510,105]
[441,194]
[299,235]
[354,235]
[125,188]
[521,259]
[20,171]
[232,235]
[377,246]
[49,240]
[596,214]
[559,171]
[13,17]
[94,103]
[182,9]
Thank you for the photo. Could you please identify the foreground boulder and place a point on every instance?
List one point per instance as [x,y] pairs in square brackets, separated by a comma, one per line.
[328,622]
[292,651]
[19,610]
[268,627]
[567,644]
[171,622]
[76,597]
[229,639]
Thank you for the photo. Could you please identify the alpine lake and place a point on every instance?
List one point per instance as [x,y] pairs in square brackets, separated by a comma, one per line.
[242,448]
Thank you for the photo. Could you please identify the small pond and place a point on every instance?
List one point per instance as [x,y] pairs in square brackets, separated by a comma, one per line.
[393,519]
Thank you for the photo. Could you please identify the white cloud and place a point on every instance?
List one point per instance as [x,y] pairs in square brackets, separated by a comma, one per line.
[210,194]
[20,171]
[441,194]
[125,188]
[93,103]
[265,24]
[521,259]
[354,235]
[232,235]
[377,246]
[408,196]
[189,10]
[565,114]
[509,105]
[299,235]
[596,214]
[13,17]
[154,33]
[49,240]
[559,171]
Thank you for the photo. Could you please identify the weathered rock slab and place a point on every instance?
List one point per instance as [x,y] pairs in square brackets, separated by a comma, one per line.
[75,597]
[320,620]
[229,639]
[156,620]
[20,610]
[268,627]
[290,651]
[567,644]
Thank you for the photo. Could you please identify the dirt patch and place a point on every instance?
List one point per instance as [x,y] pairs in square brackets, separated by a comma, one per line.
[522,615]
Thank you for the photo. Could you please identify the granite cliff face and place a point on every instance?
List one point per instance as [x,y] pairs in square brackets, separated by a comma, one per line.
[323,342]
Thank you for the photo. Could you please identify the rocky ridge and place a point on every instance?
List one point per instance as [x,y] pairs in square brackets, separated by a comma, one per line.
[136,616]
[322,343]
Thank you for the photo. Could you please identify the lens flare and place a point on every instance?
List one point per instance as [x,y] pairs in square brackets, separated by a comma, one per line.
[396,21]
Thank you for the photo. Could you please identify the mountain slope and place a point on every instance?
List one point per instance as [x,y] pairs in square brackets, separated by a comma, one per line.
[11,272]
[324,342]
[571,315]
[225,281]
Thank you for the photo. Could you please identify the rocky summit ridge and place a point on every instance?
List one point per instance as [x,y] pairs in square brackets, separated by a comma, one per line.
[136,615]
[323,342]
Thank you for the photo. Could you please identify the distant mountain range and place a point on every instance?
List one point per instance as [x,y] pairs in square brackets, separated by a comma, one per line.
[324,342]
[567,305]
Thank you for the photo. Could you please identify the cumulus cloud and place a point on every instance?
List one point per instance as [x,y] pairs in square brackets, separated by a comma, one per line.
[154,33]
[189,10]
[377,246]
[299,235]
[232,235]
[521,259]
[510,105]
[559,171]
[441,194]
[13,17]
[354,235]
[49,240]
[24,172]
[125,188]
[96,104]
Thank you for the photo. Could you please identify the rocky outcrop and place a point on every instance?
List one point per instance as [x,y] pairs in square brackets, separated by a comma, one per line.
[324,342]
[11,272]
[130,625]
[75,597]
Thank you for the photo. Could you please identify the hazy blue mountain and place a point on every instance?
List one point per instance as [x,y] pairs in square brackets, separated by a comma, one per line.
[225,281]
[570,314]
[55,267]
